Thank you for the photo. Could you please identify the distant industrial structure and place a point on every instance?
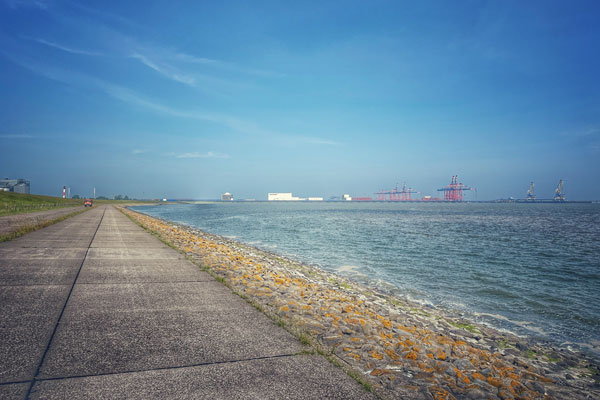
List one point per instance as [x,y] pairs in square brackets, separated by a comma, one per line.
[283,197]
[454,191]
[559,194]
[290,197]
[14,185]
[227,196]
[531,193]
[404,194]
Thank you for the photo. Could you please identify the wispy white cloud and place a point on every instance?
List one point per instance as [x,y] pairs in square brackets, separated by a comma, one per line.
[65,48]
[126,95]
[165,63]
[165,70]
[209,154]
[223,65]
[15,136]
[591,131]
[196,60]
[14,4]
[96,13]
[138,151]
[582,134]
[133,98]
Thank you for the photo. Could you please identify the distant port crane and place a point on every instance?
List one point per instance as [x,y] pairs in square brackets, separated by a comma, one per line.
[530,193]
[559,194]
[454,191]
[404,194]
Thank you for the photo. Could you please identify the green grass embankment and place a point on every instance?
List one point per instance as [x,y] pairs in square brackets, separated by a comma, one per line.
[24,229]
[18,203]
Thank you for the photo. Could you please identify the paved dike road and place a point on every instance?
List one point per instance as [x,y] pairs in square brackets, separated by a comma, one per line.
[95,307]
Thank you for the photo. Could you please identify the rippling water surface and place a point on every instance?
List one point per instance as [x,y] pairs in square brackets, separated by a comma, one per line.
[531,268]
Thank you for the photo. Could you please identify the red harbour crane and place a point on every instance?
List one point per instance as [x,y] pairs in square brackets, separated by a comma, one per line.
[404,194]
[454,191]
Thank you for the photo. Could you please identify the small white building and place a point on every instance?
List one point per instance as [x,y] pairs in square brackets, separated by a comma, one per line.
[315,199]
[283,197]
[227,197]
[347,197]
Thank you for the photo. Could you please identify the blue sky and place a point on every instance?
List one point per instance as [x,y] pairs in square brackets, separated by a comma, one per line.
[195,98]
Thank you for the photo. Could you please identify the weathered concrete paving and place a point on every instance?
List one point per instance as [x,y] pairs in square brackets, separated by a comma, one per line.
[95,307]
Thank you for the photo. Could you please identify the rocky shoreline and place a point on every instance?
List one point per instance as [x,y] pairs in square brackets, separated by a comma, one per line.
[398,348]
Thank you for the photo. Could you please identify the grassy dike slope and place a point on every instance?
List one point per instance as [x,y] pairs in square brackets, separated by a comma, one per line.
[399,349]
[18,203]
[24,213]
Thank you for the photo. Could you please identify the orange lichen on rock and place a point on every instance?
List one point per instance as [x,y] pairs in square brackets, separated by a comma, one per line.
[380,333]
[440,394]
[379,372]
[494,382]
[392,354]
[477,375]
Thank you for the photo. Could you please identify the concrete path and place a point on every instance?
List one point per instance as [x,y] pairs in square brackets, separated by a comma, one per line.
[95,307]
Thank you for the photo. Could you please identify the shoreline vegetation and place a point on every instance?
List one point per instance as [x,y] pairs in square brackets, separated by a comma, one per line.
[395,348]
[19,203]
[14,226]
[24,213]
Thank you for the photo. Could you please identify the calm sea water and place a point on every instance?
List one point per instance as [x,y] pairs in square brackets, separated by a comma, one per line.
[533,269]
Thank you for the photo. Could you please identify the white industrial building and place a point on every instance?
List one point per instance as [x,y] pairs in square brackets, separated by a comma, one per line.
[290,197]
[283,197]
[227,197]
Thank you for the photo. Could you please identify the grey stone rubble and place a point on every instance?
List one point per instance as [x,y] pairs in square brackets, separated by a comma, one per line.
[95,307]
[404,349]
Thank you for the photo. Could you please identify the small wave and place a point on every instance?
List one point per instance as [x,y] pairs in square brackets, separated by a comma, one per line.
[522,324]
[347,268]
[419,301]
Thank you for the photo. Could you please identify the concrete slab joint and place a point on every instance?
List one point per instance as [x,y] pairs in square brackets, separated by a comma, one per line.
[95,307]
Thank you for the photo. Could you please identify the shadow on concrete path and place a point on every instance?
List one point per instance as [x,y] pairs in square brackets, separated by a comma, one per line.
[95,307]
